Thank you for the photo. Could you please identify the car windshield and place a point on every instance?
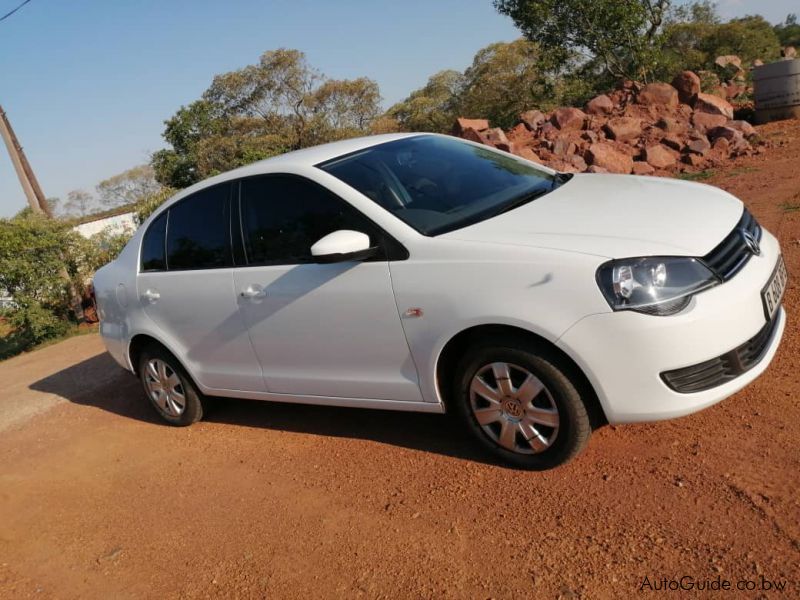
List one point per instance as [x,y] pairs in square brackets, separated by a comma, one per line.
[437,184]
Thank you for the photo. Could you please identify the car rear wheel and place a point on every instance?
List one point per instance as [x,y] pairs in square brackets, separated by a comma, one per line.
[521,404]
[168,387]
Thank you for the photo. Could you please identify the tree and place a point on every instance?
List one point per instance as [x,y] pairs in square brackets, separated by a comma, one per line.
[434,107]
[788,32]
[279,104]
[127,187]
[78,202]
[621,35]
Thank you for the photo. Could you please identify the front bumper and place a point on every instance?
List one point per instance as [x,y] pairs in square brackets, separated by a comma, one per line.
[624,353]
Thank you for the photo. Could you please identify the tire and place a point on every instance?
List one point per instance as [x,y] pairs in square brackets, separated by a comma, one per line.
[537,422]
[184,404]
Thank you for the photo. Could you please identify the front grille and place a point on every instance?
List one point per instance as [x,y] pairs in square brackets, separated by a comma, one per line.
[732,253]
[714,372]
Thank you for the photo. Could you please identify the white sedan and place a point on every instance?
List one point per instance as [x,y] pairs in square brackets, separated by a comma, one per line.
[424,273]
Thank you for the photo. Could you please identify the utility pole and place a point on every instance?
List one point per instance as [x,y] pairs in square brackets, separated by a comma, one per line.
[36,199]
[30,185]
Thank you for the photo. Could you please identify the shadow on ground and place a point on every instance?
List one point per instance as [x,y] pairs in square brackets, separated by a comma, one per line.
[101,383]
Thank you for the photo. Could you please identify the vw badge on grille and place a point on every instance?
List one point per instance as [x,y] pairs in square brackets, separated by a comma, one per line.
[751,242]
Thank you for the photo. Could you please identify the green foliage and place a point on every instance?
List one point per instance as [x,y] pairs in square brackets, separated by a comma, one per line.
[788,32]
[279,104]
[433,107]
[32,323]
[146,206]
[622,36]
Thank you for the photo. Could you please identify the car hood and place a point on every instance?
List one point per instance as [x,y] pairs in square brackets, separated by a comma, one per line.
[616,216]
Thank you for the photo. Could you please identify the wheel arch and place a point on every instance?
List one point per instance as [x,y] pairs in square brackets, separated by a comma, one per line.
[139,342]
[454,349]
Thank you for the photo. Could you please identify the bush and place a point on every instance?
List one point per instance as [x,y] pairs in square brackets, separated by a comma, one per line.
[148,205]
[34,323]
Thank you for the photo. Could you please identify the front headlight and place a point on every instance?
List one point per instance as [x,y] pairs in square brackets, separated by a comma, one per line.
[658,285]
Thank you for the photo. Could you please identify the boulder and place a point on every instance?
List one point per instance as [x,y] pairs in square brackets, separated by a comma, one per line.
[596,169]
[642,168]
[743,126]
[549,131]
[473,136]
[704,121]
[734,136]
[463,124]
[713,105]
[528,154]
[734,90]
[563,147]
[728,60]
[624,128]
[669,125]
[609,158]
[568,119]
[600,105]
[577,161]
[659,157]
[658,94]
[688,85]
[721,146]
[789,52]
[533,119]
[672,141]
[699,145]
[694,160]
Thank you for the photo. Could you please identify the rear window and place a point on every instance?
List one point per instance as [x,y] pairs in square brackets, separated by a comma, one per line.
[197,232]
[153,255]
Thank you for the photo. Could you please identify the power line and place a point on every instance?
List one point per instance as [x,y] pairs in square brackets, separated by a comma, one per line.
[8,14]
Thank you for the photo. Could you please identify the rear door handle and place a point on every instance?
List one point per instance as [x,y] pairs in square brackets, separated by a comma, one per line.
[151,295]
[253,291]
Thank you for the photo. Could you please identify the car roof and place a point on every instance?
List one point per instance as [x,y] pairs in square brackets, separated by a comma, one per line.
[307,157]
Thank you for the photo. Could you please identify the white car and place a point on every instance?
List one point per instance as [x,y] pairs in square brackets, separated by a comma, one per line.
[423,273]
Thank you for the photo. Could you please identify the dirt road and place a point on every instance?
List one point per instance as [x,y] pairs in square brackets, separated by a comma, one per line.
[97,499]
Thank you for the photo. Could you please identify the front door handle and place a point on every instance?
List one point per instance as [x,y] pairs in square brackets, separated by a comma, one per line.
[151,295]
[253,291]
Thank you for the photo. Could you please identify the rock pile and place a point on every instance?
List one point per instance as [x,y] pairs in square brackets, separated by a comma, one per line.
[642,129]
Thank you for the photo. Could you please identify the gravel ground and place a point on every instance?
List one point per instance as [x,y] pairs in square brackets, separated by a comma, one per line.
[98,499]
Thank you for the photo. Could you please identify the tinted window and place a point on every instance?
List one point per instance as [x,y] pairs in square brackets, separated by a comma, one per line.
[153,245]
[437,184]
[282,217]
[197,234]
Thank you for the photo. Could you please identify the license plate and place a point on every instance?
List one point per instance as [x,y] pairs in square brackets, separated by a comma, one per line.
[772,293]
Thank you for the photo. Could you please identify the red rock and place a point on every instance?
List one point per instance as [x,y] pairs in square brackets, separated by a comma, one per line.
[703,121]
[728,60]
[624,128]
[672,141]
[476,124]
[596,169]
[497,138]
[577,161]
[713,105]
[532,119]
[528,154]
[600,105]
[659,157]
[473,136]
[659,94]
[699,145]
[758,63]
[642,168]
[590,136]
[567,119]
[733,90]
[729,133]
[695,160]
[743,126]
[688,85]
[549,131]
[563,147]
[609,158]
[669,125]
[721,146]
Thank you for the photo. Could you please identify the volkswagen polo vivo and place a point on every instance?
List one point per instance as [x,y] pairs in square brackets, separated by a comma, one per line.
[425,273]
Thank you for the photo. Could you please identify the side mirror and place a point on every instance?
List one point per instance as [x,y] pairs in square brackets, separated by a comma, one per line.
[343,245]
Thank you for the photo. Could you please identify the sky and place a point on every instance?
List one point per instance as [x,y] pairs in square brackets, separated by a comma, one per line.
[87,84]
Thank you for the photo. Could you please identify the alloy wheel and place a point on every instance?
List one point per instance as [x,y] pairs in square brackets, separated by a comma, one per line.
[165,387]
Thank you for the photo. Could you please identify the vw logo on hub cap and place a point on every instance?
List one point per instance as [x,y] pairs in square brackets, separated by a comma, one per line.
[751,242]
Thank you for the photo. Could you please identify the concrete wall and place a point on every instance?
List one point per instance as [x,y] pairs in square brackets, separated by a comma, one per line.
[114,225]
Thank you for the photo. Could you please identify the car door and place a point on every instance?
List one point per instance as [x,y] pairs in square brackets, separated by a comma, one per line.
[185,287]
[318,329]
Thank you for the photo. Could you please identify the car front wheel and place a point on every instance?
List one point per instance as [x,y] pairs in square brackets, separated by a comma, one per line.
[521,404]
